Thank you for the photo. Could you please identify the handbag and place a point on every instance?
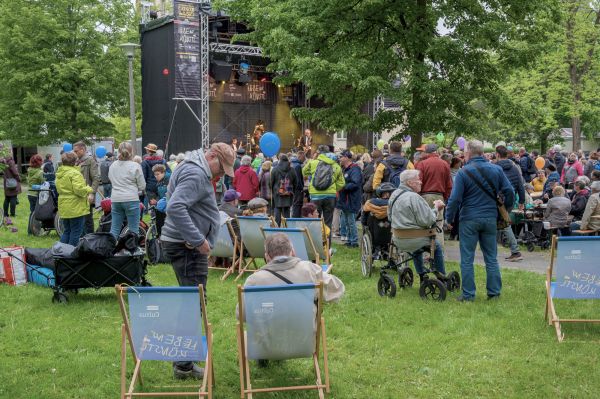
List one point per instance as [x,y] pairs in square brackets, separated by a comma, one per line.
[503,219]
[11,182]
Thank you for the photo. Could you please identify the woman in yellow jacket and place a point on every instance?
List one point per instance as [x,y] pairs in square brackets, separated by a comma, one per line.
[74,198]
[539,181]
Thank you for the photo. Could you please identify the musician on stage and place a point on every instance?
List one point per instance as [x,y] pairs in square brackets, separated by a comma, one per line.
[305,142]
[259,129]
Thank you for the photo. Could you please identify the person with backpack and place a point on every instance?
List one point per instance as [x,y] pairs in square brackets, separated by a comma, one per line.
[296,165]
[571,171]
[388,171]
[104,180]
[283,183]
[527,165]
[349,199]
[326,179]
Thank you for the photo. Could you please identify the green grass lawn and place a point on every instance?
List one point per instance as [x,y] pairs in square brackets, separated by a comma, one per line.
[378,347]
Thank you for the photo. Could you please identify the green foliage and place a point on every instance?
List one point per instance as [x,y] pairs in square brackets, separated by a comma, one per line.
[64,72]
[349,52]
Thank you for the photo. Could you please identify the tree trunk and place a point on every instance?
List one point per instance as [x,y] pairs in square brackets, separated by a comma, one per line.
[543,143]
[576,127]
[419,104]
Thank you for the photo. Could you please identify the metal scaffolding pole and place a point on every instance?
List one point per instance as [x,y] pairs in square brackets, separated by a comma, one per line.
[378,105]
[204,73]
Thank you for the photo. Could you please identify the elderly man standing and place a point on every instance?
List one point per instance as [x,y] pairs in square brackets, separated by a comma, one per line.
[89,169]
[437,183]
[192,222]
[478,215]
[409,211]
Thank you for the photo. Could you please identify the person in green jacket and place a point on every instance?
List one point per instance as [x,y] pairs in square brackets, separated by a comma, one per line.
[35,176]
[324,199]
[74,198]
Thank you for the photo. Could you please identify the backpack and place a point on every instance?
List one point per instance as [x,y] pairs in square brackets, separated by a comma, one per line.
[393,175]
[323,177]
[285,188]
[570,173]
[596,165]
[531,166]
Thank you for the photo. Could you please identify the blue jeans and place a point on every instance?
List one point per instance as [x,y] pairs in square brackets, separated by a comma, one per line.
[73,229]
[107,188]
[438,259]
[125,210]
[471,232]
[348,226]
[512,240]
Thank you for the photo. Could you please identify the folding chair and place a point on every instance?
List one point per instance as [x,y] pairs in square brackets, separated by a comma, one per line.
[301,241]
[281,322]
[577,276]
[168,324]
[316,231]
[252,240]
[226,246]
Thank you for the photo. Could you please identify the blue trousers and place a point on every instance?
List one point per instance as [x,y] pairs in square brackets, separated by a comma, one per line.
[482,231]
[348,226]
[122,211]
[438,259]
[73,229]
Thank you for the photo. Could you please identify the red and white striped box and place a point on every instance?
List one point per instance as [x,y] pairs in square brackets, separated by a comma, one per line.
[13,269]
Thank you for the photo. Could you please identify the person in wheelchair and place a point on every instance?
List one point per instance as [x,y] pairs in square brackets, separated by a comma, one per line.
[408,211]
[375,219]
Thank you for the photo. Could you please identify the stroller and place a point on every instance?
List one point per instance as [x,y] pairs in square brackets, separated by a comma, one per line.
[45,215]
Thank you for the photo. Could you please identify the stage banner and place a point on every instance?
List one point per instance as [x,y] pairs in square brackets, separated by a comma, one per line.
[187,49]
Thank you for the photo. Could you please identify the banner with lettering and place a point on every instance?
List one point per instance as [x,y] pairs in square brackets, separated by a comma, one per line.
[255,92]
[187,49]
[166,324]
[577,268]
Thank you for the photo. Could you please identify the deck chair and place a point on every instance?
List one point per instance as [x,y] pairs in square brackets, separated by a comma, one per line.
[575,268]
[227,246]
[281,322]
[316,231]
[168,324]
[301,241]
[252,241]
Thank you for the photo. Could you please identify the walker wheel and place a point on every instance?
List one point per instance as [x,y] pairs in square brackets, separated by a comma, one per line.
[386,286]
[405,277]
[433,289]
[453,281]
[366,255]
[530,247]
[59,297]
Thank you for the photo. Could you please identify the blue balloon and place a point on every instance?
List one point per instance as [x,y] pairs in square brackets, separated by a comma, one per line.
[67,147]
[100,151]
[270,144]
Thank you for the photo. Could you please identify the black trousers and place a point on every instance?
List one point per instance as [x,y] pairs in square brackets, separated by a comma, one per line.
[10,200]
[89,222]
[279,212]
[325,207]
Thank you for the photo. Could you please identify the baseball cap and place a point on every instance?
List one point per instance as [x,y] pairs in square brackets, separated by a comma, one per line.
[231,195]
[241,151]
[226,156]
[346,153]
[431,148]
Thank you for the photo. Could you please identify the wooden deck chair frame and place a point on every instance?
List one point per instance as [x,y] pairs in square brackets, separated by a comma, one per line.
[309,245]
[320,344]
[243,264]
[236,259]
[550,311]
[324,240]
[205,389]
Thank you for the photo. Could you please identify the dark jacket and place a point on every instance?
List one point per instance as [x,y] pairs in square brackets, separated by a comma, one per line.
[559,162]
[468,199]
[279,174]
[49,171]
[367,181]
[296,165]
[513,173]
[147,165]
[12,172]
[578,204]
[527,167]
[396,161]
[349,198]
[104,167]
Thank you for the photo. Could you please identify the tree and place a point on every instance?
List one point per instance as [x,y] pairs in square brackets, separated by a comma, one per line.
[64,71]
[435,58]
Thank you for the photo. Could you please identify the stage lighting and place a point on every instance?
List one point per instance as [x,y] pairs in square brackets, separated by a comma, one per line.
[243,72]
[220,70]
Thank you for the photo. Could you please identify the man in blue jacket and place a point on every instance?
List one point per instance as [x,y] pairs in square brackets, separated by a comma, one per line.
[349,198]
[478,215]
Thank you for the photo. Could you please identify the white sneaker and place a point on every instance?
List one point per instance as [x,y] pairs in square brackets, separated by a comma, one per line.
[344,238]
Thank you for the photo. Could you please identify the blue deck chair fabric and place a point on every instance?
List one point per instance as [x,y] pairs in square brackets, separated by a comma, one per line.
[314,226]
[296,236]
[577,268]
[280,321]
[251,235]
[166,323]
[223,247]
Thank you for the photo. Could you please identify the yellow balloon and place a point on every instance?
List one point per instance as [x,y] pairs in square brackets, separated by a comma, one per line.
[380,144]
[540,162]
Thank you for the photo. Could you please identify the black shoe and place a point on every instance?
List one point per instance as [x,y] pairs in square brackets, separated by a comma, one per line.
[493,297]
[464,299]
[262,363]
[196,372]
[514,257]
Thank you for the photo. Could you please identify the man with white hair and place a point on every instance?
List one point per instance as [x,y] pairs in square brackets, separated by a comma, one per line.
[474,198]
[407,210]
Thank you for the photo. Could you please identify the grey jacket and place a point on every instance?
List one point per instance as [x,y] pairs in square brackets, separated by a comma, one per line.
[410,211]
[557,211]
[89,170]
[592,208]
[192,213]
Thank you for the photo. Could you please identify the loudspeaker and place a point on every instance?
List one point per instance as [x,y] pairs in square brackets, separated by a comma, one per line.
[244,78]
[220,70]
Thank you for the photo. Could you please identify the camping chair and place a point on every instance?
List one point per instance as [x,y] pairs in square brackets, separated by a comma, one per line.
[301,241]
[226,246]
[316,232]
[577,276]
[252,240]
[280,322]
[168,324]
